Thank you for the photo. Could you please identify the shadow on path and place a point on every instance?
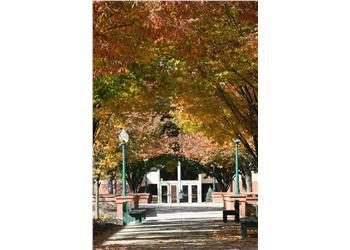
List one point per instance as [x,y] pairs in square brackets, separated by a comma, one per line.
[178,227]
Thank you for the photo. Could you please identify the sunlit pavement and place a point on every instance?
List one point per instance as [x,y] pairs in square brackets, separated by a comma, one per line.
[178,226]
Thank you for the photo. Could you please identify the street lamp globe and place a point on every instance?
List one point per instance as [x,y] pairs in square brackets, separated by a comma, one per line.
[123,136]
[236,141]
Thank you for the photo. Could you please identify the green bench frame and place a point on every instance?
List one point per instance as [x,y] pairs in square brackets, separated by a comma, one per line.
[225,213]
[245,223]
[132,215]
[235,212]
[248,222]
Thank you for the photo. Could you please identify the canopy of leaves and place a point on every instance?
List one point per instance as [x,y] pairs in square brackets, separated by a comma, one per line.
[181,77]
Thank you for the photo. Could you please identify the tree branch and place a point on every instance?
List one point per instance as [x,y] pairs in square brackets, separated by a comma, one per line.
[118,26]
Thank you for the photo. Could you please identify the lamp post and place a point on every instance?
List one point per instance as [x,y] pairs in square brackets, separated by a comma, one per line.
[145,161]
[123,138]
[236,160]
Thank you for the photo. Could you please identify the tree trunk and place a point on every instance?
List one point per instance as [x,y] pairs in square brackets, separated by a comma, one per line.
[248,181]
[255,139]
[220,187]
[110,186]
[114,185]
[244,184]
[97,209]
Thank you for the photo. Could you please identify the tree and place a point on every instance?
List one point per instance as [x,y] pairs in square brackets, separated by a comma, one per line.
[247,165]
[218,89]
[180,68]
[135,173]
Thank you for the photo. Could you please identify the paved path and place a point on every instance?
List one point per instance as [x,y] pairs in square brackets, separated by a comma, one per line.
[182,226]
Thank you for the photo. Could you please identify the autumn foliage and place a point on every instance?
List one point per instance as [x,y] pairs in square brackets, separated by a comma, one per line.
[181,77]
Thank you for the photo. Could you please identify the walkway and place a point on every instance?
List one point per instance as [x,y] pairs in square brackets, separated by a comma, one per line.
[180,226]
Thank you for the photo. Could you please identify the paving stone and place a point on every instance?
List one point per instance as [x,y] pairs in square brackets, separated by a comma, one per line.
[175,227]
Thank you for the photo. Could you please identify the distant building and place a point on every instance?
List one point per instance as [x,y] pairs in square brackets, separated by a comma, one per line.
[165,184]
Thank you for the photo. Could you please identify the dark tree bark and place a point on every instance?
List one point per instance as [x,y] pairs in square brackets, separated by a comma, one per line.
[244,183]
[97,199]
[135,173]
[223,176]
[114,184]
[255,138]
[110,186]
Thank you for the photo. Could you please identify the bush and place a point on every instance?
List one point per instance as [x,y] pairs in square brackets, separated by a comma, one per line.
[104,218]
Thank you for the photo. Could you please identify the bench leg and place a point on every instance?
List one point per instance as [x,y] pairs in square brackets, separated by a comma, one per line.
[244,232]
[224,217]
[237,217]
[237,211]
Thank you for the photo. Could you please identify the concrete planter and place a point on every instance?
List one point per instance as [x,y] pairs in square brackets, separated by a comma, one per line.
[252,198]
[136,199]
[229,199]
[145,198]
[105,197]
[217,197]
[119,200]
[106,202]
[252,204]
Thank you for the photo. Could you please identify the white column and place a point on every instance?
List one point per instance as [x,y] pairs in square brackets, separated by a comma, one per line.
[168,193]
[159,188]
[199,188]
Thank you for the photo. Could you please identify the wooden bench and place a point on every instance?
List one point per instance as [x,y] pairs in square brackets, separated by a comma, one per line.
[248,222]
[132,215]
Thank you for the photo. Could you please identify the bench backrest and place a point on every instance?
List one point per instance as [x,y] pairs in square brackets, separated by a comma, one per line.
[126,206]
